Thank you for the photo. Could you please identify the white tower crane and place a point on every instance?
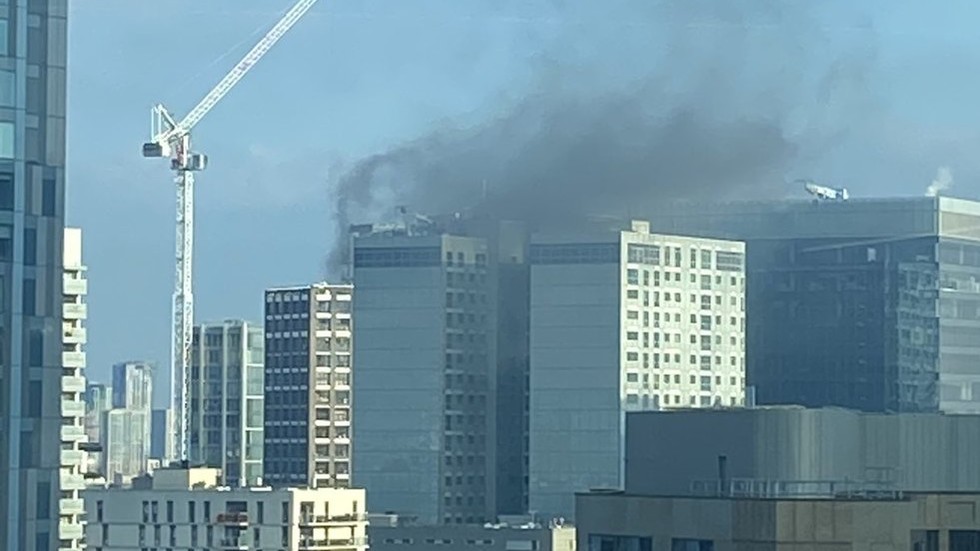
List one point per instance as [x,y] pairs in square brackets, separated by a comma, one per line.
[172,139]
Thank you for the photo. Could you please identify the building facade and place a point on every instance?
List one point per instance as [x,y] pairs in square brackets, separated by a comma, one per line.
[388,533]
[676,452]
[163,435]
[98,400]
[867,304]
[74,465]
[920,522]
[308,376]
[132,385]
[126,444]
[33,59]
[227,400]
[425,438]
[188,509]
[624,321]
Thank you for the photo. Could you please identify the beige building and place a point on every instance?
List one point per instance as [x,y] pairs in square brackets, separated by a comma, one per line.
[615,521]
[73,436]
[180,508]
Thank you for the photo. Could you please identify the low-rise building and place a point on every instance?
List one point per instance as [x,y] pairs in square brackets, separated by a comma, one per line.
[390,533]
[617,521]
[185,508]
[674,452]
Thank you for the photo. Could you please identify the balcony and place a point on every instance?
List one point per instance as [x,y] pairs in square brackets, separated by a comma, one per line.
[71,457]
[71,433]
[75,311]
[77,335]
[73,359]
[71,481]
[325,520]
[71,507]
[232,519]
[325,544]
[75,286]
[72,384]
[70,530]
[72,408]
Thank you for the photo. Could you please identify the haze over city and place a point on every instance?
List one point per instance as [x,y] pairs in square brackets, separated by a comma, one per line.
[875,97]
[489,275]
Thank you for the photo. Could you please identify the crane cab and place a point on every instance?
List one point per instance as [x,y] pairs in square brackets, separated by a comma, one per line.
[192,162]
[153,149]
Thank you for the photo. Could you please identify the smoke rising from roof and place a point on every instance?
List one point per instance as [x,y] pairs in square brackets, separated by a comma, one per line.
[942,182]
[709,100]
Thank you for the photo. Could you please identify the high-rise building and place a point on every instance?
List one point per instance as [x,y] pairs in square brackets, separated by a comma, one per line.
[425,431]
[163,435]
[624,321]
[180,508]
[98,400]
[125,444]
[308,364]
[871,304]
[32,190]
[125,428]
[226,400]
[73,458]
[132,385]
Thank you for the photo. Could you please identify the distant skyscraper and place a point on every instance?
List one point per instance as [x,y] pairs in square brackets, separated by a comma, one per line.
[132,386]
[871,304]
[126,427]
[163,436]
[226,400]
[98,400]
[308,334]
[32,190]
[624,321]
[73,459]
[126,444]
[426,377]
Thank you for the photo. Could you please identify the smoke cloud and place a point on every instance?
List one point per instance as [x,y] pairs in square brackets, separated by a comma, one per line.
[711,100]
[942,182]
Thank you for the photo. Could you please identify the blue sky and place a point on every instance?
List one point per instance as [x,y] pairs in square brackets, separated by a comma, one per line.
[357,78]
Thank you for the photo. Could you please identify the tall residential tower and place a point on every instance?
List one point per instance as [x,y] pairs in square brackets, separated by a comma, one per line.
[226,400]
[71,508]
[33,59]
[624,321]
[308,372]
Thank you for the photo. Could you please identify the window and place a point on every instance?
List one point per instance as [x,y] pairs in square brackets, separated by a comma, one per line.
[6,140]
[30,246]
[633,276]
[6,191]
[8,90]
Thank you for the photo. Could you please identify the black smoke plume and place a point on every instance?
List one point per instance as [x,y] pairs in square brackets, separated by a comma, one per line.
[736,99]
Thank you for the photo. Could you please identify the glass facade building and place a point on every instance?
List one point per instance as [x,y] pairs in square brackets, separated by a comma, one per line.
[426,379]
[227,400]
[870,304]
[33,58]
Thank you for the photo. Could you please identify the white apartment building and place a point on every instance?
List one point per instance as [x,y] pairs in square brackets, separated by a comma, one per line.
[73,461]
[181,509]
[624,321]
[308,397]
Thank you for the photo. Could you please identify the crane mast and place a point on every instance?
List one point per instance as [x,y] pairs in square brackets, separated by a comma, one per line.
[172,139]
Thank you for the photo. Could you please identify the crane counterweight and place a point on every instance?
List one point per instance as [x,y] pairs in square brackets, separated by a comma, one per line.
[172,139]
